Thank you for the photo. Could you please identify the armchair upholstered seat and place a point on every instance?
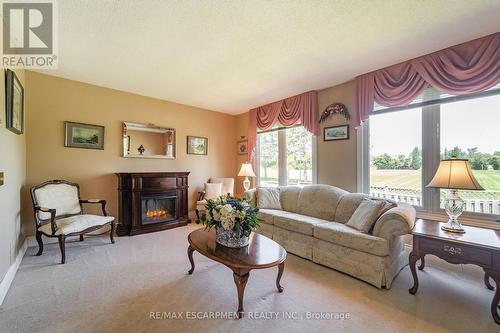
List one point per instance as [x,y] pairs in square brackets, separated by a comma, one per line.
[76,224]
[59,213]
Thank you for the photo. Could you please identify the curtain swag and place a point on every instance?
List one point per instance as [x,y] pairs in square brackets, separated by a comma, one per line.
[462,69]
[300,109]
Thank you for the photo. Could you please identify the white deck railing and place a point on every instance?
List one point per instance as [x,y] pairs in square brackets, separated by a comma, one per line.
[482,204]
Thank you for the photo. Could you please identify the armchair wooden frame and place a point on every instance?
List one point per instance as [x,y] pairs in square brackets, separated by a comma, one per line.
[62,238]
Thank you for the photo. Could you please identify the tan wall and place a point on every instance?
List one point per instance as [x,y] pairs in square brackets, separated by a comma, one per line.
[336,160]
[53,100]
[13,164]
[241,134]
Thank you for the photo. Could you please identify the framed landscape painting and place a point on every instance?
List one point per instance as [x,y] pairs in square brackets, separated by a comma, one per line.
[87,136]
[336,133]
[197,145]
[14,93]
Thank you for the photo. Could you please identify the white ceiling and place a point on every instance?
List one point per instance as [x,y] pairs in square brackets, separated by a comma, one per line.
[230,56]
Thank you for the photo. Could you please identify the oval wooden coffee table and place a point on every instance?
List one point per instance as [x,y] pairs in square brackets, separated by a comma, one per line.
[260,253]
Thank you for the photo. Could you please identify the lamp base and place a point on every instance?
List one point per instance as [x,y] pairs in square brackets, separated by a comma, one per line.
[246,184]
[453,227]
[454,206]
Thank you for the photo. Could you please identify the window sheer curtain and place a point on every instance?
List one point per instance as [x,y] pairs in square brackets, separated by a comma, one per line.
[462,69]
[301,109]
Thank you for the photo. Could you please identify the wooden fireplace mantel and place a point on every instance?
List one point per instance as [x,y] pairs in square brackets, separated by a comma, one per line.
[132,186]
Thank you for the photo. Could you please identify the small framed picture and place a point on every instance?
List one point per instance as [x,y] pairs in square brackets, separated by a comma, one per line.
[14,93]
[242,147]
[87,136]
[197,145]
[336,133]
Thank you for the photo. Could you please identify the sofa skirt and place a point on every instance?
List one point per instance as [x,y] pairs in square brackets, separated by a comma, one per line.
[376,270]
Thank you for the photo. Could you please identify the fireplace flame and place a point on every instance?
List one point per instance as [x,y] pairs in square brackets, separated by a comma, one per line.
[157,213]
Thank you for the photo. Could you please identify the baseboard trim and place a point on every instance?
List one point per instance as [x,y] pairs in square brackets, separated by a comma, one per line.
[11,272]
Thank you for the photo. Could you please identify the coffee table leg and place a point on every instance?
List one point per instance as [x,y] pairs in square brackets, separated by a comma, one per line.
[240,279]
[281,268]
[413,261]
[190,256]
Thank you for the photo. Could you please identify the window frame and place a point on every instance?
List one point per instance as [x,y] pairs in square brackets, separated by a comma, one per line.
[282,156]
[431,146]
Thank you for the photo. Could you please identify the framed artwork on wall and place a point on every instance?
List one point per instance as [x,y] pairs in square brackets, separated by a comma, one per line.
[335,133]
[79,135]
[14,103]
[242,147]
[197,145]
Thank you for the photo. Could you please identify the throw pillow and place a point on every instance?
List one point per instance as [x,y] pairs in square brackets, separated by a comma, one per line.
[367,213]
[268,197]
[213,190]
[388,204]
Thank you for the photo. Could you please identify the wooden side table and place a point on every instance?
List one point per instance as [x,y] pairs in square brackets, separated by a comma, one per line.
[476,246]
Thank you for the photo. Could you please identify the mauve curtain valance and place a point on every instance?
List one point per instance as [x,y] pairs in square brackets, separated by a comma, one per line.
[300,109]
[462,69]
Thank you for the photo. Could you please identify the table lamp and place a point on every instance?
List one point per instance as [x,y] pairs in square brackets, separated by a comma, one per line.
[246,171]
[454,174]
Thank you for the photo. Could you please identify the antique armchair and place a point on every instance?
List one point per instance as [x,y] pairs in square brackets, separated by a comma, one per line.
[58,213]
[227,188]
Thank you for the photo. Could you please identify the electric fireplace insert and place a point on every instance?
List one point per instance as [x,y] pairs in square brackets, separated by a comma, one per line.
[158,208]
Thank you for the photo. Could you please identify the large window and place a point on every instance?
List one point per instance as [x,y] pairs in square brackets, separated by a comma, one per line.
[285,156]
[471,129]
[396,156]
[268,158]
[404,146]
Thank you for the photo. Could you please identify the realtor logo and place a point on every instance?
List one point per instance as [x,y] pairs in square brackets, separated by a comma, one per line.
[29,33]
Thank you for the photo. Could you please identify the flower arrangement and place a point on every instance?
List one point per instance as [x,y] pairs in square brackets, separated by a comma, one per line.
[233,220]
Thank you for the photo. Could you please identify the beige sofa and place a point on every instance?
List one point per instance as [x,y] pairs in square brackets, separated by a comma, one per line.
[311,224]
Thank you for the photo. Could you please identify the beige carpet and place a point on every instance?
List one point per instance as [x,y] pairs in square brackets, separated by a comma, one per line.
[113,288]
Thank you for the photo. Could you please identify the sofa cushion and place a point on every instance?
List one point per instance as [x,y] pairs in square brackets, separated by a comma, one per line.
[289,196]
[298,223]
[267,215]
[347,206]
[268,197]
[342,234]
[319,201]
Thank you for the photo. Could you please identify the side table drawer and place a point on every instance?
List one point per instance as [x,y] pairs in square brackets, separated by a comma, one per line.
[464,253]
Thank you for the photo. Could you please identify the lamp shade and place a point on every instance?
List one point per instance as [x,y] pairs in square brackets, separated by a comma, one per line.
[246,170]
[456,174]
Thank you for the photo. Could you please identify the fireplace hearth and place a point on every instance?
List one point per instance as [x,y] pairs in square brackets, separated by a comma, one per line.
[152,202]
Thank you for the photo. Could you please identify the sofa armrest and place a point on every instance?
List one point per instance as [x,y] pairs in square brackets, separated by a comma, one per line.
[396,221]
[250,195]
